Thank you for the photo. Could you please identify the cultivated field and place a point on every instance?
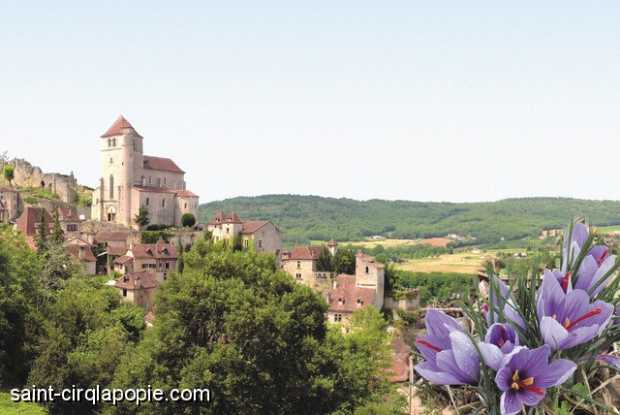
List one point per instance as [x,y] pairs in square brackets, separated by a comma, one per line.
[606,230]
[391,243]
[462,262]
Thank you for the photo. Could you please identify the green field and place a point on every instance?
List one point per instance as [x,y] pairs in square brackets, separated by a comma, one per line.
[8,407]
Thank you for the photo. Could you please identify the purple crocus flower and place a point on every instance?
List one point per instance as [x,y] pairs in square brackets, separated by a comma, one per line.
[509,311]
[610,360]
[563,278]
[573,244]
[595,265]
[499,343]
[569,319]
[450,356]
[527,375]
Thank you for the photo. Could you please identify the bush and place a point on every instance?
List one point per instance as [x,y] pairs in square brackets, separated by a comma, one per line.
[188,220]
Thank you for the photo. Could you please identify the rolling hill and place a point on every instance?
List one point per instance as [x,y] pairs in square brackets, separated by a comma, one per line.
[304,218]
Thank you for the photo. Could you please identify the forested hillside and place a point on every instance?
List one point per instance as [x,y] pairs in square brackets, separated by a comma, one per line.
[304,218]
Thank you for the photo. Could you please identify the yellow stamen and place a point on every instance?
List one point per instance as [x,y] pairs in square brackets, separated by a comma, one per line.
[527,382]
[515,386]
[515,377]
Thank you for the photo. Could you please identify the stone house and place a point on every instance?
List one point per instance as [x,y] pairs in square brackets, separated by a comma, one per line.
[352,292]
[159,259]
[10,204]
[301,263]
[138,288]
[82,251]
[132,180]
[260,235]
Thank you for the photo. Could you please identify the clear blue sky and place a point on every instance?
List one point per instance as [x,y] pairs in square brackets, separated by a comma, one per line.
[420,100]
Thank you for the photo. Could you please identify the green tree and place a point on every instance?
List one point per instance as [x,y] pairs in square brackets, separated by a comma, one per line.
[188,220]
[180,259]
[325,261]
[42,233]
[142,218]
[236,323]
[58,236]
[344,261]
[8,173]
[22,307]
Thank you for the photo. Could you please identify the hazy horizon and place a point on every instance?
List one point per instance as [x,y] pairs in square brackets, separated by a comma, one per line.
[459,102]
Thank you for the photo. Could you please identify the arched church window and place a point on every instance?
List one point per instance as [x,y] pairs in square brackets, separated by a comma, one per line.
[148,201]
[111,187]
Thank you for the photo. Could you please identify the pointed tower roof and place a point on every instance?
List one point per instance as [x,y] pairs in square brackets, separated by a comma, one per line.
[117,128]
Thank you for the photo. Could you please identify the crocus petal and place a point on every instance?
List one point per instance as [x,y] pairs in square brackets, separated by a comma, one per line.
[439,324]
[439,378]
[530,398]
[610,360]
[465,354]
[550,296]
[447,363]
[600,273]
[576,303]
[556,373]
[586,272]
[554,334]
[510,403]
[503,378]
[579,336]
[491,355]
[512,315]
[531,361]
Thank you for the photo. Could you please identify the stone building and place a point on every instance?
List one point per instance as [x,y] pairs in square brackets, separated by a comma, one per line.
[82,251]
[352,292]
[131,180]
[159,259]
[138,288]
[27,175]
[261,235]
[10,204]
[301,263]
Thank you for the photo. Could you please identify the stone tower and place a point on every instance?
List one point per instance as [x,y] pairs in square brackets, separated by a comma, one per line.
[121,156]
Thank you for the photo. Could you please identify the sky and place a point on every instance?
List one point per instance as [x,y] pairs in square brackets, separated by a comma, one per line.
[416,100]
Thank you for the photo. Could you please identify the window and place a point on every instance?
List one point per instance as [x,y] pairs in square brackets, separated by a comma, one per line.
[227,230]
[298,276]
[337,318]
[149,179]
[148,201]
[298,264]
[164,180]
[111,160]
[186,205]
[360,302]
[367,270]
[260,243]
[111,187]
[159,182]
[167,265]
[120,196]
[143,181]
[72,227]
[109,142]
[135,148]
[163,203]
[246,243]
[124,292]
[114,142]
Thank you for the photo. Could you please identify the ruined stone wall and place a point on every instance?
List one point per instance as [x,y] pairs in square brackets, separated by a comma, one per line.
[27,175]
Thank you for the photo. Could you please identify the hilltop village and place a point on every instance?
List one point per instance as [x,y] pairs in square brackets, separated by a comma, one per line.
[136,223]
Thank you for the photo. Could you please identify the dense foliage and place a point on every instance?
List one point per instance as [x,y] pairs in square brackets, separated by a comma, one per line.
[188,220]
[305,218]
[435,287]
[232,322]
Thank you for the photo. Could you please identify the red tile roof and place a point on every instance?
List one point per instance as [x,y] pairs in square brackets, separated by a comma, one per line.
[116,250]
[347,297]
[117,128]
[123,259]
[221,217]
[161,164]
[301,253]
[137,281]
[251,226]
[159,250]
[74,251]
[185,193]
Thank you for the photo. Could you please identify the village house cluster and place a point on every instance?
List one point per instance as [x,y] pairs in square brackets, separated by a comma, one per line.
[106,239]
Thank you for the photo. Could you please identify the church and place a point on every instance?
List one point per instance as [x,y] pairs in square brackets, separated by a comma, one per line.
[132,180]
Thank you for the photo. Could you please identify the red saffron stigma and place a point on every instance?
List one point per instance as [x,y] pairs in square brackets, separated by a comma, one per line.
[594,312]
[565,280]
[429,345]
[535,389]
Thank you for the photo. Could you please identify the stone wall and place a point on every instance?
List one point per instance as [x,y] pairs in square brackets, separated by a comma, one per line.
[27,175]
